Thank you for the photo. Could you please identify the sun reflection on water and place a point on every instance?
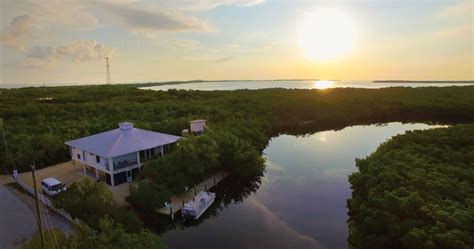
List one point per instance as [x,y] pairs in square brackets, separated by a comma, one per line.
[323,84]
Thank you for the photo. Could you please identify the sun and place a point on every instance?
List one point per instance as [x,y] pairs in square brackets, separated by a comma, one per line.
[326,34]
[323,84]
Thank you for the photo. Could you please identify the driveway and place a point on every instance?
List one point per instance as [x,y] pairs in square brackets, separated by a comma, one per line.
[18,222]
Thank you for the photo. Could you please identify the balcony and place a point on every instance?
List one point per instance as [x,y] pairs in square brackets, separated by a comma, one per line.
[123,164]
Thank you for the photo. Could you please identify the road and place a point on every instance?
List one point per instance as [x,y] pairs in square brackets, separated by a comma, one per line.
[18,222]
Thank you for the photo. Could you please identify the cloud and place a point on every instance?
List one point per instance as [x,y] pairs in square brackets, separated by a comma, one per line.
[85,51]
[203,5]
[248,48]
[455,32]
[63,17]
[41,52]
[192,44]
[16,33]
[148,18]
[461,9]
[78,51]
[74,14]
[223,59]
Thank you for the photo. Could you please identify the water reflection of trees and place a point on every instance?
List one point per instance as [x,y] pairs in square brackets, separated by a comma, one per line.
[311,127]
[232,190]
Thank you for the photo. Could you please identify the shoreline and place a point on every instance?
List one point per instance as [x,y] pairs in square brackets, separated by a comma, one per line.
[425,81]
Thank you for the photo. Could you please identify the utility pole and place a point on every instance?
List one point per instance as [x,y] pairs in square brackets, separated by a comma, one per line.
[40,225]
[108,69]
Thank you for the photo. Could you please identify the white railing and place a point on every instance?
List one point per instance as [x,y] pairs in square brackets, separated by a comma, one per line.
[46,201]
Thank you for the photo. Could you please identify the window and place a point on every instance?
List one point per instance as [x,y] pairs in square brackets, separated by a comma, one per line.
[97,159]
[78,156]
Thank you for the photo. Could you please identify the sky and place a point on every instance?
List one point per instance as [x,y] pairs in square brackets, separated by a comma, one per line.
[55,41]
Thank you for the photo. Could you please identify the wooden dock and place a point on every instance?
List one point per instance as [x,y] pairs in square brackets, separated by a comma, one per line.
[177,202]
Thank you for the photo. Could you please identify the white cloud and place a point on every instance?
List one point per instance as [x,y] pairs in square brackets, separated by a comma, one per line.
[85,51]
[248,48]
[455,32]
[147,18]
[223,59]
[203,5]
[192,44]
[55,14]
[78,51]
[41,53]
[461,9]
[150,18]
[15,35]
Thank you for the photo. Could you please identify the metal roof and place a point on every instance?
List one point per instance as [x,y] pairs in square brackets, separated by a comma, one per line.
[197,121]
[121,141]
[51,181]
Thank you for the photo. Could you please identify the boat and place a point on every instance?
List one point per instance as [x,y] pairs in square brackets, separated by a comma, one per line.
[198,205]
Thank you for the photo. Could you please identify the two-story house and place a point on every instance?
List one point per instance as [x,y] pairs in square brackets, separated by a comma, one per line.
[116,156]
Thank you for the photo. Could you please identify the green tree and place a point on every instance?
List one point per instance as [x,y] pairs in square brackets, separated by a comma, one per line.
[109,234]
[87,200]
[54,238]
[415,191]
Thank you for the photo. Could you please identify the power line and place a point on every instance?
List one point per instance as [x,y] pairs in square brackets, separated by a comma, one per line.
[50,225]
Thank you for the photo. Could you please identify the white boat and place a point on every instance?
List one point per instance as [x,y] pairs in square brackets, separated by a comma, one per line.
[198,205]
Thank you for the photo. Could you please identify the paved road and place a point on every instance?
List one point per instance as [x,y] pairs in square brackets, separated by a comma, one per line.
[17,220]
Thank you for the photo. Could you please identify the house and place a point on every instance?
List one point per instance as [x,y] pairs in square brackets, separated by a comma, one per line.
[116,156]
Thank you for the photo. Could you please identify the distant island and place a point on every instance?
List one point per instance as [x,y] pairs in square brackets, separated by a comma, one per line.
[424,81]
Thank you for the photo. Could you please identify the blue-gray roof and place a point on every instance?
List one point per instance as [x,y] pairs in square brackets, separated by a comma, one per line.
[121,141]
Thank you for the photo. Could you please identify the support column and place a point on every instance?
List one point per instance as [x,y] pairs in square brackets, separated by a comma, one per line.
[111,172]
[96,174]
[84,168]
[138,161]
[162,151]
[112,180]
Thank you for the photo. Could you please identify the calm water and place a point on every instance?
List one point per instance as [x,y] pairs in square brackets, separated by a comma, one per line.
[290,84]
[320,84]
[301,201]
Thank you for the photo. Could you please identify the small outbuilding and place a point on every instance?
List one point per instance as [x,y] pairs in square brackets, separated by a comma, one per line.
[197,126]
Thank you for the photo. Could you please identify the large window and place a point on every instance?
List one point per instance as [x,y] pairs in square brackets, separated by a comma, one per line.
[97,159]
[149,153]
[125,160]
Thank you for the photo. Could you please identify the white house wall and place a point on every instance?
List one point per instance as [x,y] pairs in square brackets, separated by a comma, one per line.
[197,126]
[91,161]
[76,151]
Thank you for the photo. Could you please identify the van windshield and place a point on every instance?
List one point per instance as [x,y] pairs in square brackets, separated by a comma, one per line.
[57,187]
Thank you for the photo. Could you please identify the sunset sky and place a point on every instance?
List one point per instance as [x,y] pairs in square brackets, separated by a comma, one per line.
[54,41]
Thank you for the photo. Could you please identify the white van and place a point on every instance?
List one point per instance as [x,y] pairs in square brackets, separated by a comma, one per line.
[52,186]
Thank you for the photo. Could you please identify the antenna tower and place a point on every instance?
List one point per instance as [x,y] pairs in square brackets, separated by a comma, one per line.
[108,69]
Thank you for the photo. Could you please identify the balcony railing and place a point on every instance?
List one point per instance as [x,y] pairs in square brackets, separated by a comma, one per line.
[123,164]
